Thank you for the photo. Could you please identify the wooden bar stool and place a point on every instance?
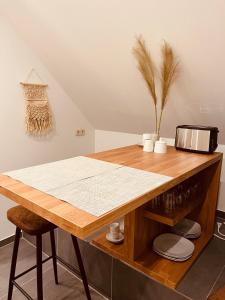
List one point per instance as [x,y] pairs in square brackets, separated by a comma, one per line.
[34,225]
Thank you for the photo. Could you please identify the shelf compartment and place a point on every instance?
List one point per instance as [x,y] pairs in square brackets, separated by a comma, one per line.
[165,271]
[173,217]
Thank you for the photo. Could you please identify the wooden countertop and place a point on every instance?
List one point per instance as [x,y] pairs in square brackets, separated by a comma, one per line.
[177,164]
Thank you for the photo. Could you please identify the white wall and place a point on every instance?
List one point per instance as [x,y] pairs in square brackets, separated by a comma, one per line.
[105,140]
[17,149]
[87,46]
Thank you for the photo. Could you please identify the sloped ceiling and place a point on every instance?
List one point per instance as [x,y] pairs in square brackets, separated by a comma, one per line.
[87,46]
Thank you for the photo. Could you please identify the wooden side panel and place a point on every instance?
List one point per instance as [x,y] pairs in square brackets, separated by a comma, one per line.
[208,211]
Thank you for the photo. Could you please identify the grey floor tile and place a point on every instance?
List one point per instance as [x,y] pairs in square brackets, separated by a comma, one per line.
[201,277]
[26,259]
[70,287]
[97,264]
[46,244]
[220,282]
[29,238]
[128,284]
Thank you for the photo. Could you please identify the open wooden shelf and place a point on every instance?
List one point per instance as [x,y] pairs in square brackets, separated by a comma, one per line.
[163,270]
[144,224]
[173,217]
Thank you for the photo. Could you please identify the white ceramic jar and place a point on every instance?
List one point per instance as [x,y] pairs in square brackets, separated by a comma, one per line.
[160,147]
[148,146]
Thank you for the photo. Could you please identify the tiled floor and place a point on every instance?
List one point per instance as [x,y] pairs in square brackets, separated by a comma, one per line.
[69,288]
[205,277]
[208,272]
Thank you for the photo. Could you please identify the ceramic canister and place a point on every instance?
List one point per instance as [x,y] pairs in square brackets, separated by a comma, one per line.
[160,147]
[148,146]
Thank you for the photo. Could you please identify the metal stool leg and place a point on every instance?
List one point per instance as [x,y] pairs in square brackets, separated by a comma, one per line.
[39,268]
[13,263]
[52,236]
[81,266]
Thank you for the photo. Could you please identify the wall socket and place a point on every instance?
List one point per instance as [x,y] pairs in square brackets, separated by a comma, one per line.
[80,132]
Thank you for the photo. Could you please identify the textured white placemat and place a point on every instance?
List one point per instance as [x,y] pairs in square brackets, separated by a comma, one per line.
[59,173]
[89,184]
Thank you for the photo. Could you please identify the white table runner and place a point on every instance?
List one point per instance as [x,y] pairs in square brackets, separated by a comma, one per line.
[92,185]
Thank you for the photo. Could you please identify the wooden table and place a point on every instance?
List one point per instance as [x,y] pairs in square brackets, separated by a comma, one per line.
[141,224]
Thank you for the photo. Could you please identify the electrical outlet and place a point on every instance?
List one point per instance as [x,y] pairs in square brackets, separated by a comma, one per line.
[80,132]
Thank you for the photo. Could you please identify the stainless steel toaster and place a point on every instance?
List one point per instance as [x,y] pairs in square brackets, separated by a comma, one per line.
[201,139]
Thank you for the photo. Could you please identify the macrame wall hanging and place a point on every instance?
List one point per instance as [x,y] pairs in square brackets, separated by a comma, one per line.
[38,113]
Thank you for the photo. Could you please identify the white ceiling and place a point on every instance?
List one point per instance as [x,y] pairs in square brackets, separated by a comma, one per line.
[87,46]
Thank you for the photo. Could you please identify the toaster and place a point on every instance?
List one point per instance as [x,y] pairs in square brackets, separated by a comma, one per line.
[200,139]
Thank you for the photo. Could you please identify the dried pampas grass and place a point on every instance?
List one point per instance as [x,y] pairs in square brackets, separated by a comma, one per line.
[147,69]
[169,71]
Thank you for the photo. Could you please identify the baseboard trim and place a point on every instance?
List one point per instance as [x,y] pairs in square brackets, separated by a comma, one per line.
[7,241]
[220,214]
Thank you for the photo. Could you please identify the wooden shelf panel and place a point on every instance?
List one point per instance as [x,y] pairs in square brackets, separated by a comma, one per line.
[163,270]
[118,251]
[171,218]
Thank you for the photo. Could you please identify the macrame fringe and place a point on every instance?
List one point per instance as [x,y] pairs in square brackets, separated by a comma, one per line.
[38,118]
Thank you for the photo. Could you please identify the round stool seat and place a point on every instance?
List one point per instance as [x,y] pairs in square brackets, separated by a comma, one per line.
[29,221]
